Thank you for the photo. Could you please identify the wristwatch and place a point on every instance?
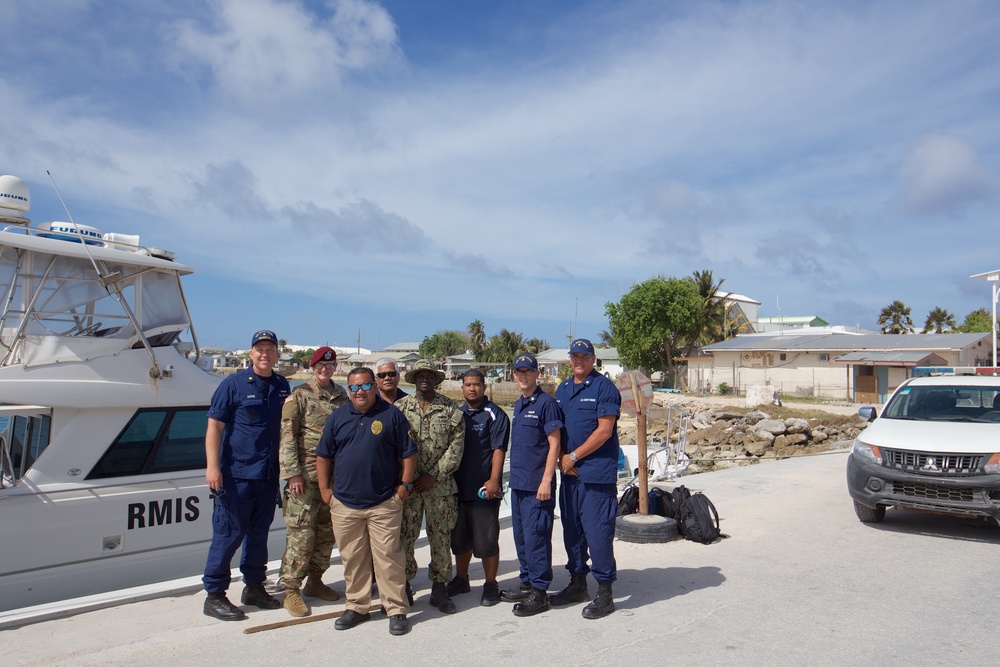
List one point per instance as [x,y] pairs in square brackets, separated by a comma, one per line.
[572,457]
[408,486]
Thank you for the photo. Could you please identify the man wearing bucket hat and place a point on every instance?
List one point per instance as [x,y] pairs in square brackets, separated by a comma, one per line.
[241,452]
[588,495]
[437,425]
[534,452]
[309,536]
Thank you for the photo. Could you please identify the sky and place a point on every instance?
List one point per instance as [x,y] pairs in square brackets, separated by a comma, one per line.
[345,170]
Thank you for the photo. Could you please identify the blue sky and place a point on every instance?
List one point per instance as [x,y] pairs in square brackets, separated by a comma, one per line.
[403,167]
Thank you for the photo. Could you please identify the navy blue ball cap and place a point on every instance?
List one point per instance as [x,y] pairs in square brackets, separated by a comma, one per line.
[525,360]
[581,346]
[264,336]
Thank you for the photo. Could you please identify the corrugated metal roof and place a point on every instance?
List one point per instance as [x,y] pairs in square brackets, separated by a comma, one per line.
[837,342]
[891,359]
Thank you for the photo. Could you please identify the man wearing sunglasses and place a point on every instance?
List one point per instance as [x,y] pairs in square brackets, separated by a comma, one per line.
[309,536]
[368,455]
[387,377]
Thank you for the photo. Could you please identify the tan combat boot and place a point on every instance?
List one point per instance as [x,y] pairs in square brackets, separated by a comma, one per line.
[294,603]
[315,588]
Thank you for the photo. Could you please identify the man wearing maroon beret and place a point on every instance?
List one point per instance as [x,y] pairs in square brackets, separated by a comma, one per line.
[309,538]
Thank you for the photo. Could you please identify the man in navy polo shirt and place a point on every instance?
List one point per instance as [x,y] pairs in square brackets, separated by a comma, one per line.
[534,454]
[588,500]
[367,451]
[477,530]
[241,451]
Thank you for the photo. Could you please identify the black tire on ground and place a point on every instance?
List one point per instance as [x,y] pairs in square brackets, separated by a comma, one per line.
[645,529]
[869,514]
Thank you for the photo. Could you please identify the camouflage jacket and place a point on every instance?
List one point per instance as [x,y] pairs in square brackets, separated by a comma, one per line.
[440,437]
[302,419]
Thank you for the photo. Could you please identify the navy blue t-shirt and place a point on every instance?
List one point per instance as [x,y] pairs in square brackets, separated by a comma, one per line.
[366,450]
[534,418]
[582,404]
[487,429]
[250,406]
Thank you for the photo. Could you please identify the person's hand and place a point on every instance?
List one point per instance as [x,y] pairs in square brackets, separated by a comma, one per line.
[544,491]
[424,482]
[327,495]
[567,466]
[297,485]
[402,493]
[492,489]
[213,477]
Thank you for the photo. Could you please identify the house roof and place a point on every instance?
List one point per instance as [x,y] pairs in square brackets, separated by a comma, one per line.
[795,320]
[836,342]
[890,359]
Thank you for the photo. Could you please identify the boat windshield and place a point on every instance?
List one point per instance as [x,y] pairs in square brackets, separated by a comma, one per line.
[56,307]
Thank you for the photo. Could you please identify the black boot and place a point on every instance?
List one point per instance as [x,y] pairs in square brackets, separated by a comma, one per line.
[440,598]
[218,606]
[254,594]
[537,602]
[575,592]
[409,593]
[522,592]
[602,605]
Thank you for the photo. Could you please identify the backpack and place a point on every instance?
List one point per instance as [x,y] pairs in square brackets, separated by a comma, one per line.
[698,519]
[674,501]
[629,502]
[661,503]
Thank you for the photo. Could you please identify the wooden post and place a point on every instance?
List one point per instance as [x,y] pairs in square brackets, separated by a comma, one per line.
[640,436]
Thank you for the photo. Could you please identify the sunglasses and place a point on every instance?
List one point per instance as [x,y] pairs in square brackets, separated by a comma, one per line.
[367,386]
[387,374]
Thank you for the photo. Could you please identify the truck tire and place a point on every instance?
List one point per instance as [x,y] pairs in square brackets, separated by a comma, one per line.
[645,528]
[869,514]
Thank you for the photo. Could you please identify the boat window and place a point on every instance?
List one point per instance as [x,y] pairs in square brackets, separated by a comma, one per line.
[156,440]
[23,440]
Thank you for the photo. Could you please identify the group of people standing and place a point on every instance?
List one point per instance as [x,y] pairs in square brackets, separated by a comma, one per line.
[367,467]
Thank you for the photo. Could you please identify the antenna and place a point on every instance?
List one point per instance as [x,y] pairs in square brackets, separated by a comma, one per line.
[77,228]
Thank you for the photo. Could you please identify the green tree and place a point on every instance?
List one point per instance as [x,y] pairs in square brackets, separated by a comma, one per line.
[504,346]
[654,320]
[939,320]
[443,344]
[607,339]
[477,338]
[711,326]
[978,321]
[535,345]
[303,357]
[895,318]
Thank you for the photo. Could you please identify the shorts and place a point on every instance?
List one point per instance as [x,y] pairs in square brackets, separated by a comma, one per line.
[477,529]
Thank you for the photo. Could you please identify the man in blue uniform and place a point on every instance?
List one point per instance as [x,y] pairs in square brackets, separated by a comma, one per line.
[477,531]
[588,501]
[365,448]
[534,454]
[241,451]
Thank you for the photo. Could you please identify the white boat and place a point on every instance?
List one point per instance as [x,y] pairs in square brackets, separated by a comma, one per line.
[102,414]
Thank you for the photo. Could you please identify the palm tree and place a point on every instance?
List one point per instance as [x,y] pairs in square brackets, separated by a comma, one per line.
[607,339]
[895,318]
[712,325]
[504,346]
[535,345]
[939,319]
[477,338]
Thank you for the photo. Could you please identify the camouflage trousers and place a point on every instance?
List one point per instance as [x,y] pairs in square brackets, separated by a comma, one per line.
[309,536]
[441,513]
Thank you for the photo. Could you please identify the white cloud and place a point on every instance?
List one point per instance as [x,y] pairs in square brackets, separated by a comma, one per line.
[944,174]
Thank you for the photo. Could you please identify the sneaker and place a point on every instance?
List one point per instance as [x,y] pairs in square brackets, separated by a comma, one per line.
[350,619]
[457,586]
[217,605]
[516,594]
[254,594]
[398,625]
[491,594]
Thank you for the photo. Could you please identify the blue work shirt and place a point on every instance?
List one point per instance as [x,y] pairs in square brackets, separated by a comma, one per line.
[582,405]
[534,418]
[487,429]
[366,449]
[250,407]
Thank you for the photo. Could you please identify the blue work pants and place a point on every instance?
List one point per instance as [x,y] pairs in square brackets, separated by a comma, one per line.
[242,515]
[532,520]
[588,513]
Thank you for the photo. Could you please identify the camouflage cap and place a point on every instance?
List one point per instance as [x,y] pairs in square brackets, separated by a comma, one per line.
[423,365]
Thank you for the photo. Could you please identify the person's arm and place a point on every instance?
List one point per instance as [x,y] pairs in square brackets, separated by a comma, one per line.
[213,453]
[324,474]
[496,474]
[600,435]
[545,488]
[409,470]
[290,467]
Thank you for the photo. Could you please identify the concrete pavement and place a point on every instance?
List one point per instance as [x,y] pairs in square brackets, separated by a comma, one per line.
[799,581]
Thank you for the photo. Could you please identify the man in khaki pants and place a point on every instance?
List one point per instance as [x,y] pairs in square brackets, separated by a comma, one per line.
[366,450]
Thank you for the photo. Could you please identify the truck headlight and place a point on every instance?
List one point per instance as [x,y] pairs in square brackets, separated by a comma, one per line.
[993,465]
[867,452]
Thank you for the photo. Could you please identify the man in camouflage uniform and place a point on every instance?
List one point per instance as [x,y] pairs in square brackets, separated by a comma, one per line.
[437,425]
[309,539]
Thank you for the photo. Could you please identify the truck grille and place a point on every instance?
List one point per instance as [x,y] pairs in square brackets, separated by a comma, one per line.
[932,492]
[925,463]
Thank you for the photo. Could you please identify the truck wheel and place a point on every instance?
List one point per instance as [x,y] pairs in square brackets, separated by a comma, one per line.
[645,529]
[869,514]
